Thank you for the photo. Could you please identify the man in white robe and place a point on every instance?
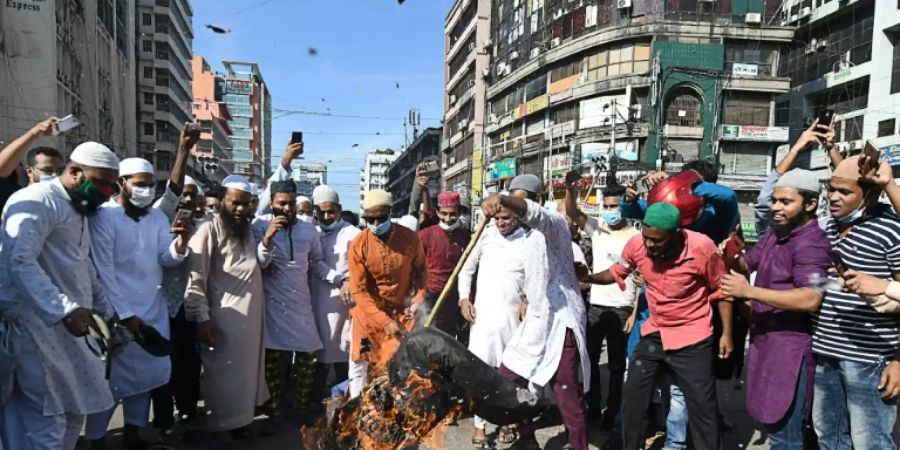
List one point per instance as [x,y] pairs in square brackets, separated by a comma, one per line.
[225,297]
[290,256]
[331,301]
[48,289]
[130,244]
[499,258]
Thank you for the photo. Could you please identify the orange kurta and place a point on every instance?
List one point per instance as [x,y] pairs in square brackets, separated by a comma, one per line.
[382,277]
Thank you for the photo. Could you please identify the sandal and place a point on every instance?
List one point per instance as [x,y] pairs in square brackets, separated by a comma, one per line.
[481,443]
[506,435]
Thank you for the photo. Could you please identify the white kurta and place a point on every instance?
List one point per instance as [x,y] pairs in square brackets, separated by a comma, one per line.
[290,322]
[129,256]
[554,304]
[500,262]
[332,316]
[47,274]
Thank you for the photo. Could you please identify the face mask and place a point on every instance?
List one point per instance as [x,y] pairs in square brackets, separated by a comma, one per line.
[142,197]
[305,217]
[612,217]
[329,227]
[853,216]
[380,230]
[47,178]
[88,197]
[449,228]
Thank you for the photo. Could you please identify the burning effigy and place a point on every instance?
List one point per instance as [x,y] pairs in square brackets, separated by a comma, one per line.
[430,378]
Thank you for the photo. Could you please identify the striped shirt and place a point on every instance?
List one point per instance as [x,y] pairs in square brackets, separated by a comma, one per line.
[846,327]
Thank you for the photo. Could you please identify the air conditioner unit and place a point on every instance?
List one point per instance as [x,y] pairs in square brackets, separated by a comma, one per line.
[535,52]
[470,83]
[555,42]
[622,4]
[486,72]
[492,118]
[821,44]
[856,145]
[636,111]
[558,14]
[488,43]
[471,46]
[452,99]
[811,46]
[794,18]
[514,55]
[805,11]
[753,18]
[463,124]
[452,160]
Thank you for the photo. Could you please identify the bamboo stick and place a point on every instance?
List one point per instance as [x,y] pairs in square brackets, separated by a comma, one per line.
[452,280]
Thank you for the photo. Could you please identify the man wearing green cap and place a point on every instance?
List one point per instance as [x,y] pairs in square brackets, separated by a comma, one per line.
[682,272]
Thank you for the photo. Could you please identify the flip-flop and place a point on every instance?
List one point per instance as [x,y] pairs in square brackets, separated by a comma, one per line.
[506,435]
[481,443]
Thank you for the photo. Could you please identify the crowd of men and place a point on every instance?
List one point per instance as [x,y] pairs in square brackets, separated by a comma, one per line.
[260,302]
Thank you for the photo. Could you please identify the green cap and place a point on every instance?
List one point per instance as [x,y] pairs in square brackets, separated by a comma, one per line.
[664,216]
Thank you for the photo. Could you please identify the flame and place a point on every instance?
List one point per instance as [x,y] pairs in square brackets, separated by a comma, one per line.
[388,416]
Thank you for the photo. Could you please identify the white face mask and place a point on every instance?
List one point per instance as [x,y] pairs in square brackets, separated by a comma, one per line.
[47,178]
[305,218]
[142,197]
[449,228]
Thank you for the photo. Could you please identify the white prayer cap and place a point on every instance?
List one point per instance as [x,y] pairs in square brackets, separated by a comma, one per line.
[131,166]
[324,193]
[188,181]
[93,154]
[302,198]
[254,189]
[238,182]
[408,221]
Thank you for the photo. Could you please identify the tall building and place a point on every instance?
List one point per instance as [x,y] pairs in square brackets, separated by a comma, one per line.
[374,173]
[466,60]
[210,156]
[845,57]
[243,89]
[308,176]
[657,82]
[402,173]
[69,57]
[163,48]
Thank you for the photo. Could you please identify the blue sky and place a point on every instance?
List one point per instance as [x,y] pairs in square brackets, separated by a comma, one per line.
[365,47]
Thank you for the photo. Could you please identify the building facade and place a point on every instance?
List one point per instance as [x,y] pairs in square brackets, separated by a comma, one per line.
[308,176]
[402,173]
[163,76]
[374,173]
[69,57]
[209,157]
[845,57]
[466,60]
[654,82]
[245,92]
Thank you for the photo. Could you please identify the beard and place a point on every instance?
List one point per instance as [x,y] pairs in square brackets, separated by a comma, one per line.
[233,228]
[782,230]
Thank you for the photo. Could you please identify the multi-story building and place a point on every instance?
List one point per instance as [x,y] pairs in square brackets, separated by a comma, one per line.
[845,57]
[163,73]
[374,173]
[402,173]
[656,83]
[210,156]
[466,60]
[245,92]
[308,176]
[69,57]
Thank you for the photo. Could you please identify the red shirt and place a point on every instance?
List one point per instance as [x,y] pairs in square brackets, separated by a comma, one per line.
[679,291]
[442,251]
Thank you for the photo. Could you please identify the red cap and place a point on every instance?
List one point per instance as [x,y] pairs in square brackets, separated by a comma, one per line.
[448,200]
[679,191]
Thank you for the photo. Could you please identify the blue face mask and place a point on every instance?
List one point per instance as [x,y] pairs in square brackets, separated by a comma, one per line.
[612,217]
[853,216]
[380,230]
[329,227]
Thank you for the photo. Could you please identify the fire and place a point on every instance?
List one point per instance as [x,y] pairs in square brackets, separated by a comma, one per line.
[388,416]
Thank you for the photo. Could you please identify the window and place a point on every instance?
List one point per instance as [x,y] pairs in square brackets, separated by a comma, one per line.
[619,60]
[886,127]
[234,99]
[684,109]
[147,45]
[746,109]
[148,98]
[895,78]
[146,19]
[163,161]
[148,129]
[148,72]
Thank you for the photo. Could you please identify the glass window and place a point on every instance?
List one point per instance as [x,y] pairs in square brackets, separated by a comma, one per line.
[886,127]
[148,98]
[746,109]
[684,109]
[148,129]
[148,72]
[147,19]
[147,45]
[895,78]
[236,99]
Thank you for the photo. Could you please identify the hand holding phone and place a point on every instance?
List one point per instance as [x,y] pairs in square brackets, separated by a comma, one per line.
[65,124]
[182,216]
[296,137]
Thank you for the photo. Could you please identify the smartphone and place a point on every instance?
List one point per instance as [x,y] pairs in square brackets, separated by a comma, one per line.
[826,117]
[296,137]
[642,186]
[65,124]
[182,216]
[872,154]
[429,167]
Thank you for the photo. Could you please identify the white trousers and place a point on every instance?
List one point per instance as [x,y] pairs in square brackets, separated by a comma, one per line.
[23,425]
[358,374]
[136,409]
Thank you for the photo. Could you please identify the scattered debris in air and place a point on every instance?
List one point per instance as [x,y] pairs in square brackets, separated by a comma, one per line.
[218,30]
[312,51]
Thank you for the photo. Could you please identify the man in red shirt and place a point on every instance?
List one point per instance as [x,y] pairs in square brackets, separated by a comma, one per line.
[444,244]
[682,272]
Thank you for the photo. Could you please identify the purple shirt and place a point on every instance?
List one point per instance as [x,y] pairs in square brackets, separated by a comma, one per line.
[780,340]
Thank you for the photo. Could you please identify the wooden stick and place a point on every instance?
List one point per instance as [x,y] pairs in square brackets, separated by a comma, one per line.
[459,265]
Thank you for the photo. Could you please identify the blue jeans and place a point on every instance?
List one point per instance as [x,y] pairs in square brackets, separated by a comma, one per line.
[848,411]
[788,433]
[676,420]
